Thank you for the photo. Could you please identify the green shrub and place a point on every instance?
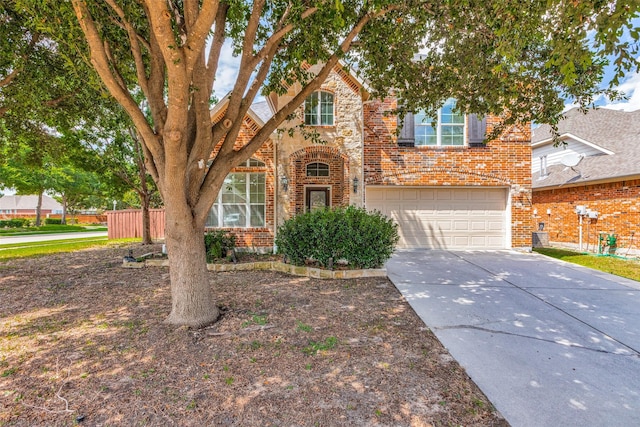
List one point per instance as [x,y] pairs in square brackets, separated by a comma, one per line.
[14,223]
[53,221]
[217,243]
[364,239]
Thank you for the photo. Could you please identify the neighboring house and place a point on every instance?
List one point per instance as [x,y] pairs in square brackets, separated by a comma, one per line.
[442,185]
[596,166]
[17,206]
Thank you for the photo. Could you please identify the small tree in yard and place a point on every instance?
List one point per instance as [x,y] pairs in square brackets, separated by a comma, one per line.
[499,55]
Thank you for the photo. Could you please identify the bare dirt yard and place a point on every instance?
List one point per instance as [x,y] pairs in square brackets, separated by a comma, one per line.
[82,342]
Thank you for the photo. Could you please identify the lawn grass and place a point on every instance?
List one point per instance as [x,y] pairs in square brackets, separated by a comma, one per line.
[618,266]
[47,229]
[33,249]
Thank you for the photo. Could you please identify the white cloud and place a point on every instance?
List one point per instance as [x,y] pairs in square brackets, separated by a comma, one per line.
[631,88]
[227,71]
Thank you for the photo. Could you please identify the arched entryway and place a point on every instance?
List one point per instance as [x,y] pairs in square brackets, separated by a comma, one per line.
[319,177]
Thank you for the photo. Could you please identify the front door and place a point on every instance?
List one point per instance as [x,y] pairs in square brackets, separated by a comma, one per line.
[317,198]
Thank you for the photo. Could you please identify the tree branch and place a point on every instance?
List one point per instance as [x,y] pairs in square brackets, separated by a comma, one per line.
[197,36]
[135,46]
[216,45]
[271,125]
[101,63]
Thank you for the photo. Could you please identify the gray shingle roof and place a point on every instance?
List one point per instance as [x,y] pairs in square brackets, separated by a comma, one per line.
[617,131]
[262,110]
[28,202]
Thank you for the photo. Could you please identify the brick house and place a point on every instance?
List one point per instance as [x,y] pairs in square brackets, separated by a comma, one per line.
[22,206]
[597,168]
[441,184]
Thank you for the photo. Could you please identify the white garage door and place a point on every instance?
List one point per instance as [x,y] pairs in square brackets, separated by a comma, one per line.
[445,218]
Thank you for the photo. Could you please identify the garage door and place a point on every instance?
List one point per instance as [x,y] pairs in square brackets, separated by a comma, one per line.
[447,218]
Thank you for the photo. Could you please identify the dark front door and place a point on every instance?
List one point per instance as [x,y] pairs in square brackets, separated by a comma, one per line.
[317,197]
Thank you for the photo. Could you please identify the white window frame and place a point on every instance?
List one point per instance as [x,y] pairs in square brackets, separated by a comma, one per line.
[427,122]
[318,170]
[218,206]
[317,109]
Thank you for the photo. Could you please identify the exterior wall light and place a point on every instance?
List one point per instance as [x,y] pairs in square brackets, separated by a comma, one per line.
[285,183]
[356,181]
[549,211]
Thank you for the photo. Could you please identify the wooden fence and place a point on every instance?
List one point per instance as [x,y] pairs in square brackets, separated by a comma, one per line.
[128,223]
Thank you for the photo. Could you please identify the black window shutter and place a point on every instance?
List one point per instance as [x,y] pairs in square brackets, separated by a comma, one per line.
[477,128]
[406,138]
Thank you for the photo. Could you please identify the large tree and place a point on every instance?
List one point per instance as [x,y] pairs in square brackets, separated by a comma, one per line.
[517,56]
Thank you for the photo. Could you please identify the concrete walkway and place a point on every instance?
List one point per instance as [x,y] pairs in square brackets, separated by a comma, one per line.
[549,343]
[6,240]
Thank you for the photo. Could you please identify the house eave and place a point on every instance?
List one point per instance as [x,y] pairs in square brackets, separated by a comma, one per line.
[569,135]
[587,182]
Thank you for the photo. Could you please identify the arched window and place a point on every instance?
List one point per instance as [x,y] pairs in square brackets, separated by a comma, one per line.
[252,162]
[318,109]
[317,169]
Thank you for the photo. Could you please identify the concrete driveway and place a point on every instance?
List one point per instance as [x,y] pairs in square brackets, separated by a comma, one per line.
[549,343]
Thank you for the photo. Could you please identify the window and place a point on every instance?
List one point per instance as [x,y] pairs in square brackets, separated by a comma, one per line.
[317,169]
[318,109]
[240,203]
[445,130]
[252,163]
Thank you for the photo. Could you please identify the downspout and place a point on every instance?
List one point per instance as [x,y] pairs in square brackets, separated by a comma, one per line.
[275,192]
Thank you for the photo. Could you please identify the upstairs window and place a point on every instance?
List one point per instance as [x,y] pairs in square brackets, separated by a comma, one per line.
[447,129]
[318,109]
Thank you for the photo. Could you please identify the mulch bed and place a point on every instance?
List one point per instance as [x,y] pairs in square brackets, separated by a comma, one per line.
[82,341]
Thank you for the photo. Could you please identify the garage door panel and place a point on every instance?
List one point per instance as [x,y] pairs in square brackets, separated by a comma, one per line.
[461,225]
[454,218]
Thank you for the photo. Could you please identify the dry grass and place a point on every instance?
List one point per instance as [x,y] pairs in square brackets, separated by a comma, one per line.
[82,341]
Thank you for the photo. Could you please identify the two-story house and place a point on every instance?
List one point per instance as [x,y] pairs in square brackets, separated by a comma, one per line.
[443,187]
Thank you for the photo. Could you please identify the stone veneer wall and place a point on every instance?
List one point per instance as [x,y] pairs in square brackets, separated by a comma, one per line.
[342,141]
[504,162]
[618,205]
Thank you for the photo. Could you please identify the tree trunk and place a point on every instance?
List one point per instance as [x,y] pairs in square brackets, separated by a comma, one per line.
[63,217]
[146,221]
[191,293]
[39,210]
[145,201]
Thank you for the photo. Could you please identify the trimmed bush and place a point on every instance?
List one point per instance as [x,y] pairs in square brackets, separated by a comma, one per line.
[364,239]
[53,221]
[217,243]
[14,223]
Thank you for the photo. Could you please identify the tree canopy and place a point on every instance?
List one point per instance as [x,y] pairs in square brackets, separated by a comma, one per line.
[520,58]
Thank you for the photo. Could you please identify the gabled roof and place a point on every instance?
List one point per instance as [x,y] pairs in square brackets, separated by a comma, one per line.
[262,110]
[616,134]
[254,120]
[28,202]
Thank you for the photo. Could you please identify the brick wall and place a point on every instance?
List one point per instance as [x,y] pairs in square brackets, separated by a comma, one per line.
[618,205]
[257,238]
[504,162]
